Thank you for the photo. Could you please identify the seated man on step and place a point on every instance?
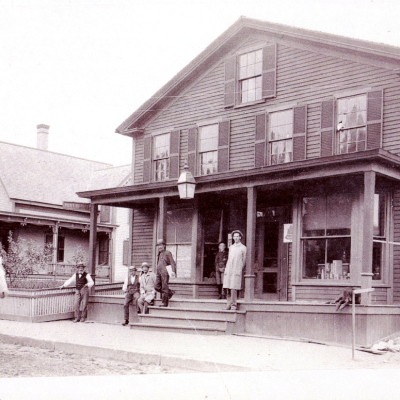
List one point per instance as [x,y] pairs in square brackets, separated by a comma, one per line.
[131,288]
[147,292]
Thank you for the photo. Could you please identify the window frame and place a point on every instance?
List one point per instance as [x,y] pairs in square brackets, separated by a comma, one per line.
[104,253]
[155,160]
[248,78]
[200,153]
[325,237]
[357,126]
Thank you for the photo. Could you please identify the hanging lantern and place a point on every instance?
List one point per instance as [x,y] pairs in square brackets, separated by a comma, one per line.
[186,184]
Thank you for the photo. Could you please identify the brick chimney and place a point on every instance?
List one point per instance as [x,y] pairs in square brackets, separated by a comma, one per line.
[42,137]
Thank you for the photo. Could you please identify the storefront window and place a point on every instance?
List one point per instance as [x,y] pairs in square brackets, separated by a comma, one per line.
[326,236]
[379,236]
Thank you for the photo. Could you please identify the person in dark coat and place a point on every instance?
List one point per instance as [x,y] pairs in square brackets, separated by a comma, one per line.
[82,281]
[220,263]
[164,260]
[131,288]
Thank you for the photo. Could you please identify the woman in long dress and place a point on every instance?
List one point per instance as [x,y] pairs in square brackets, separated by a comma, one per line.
[3,283]
[234,269]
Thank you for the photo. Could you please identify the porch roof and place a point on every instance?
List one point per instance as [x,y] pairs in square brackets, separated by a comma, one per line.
[380,161]
[41,220]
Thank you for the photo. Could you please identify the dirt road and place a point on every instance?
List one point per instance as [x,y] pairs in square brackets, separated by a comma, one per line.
[24,361]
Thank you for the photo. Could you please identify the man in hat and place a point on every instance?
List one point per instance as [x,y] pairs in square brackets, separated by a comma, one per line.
[131,288]
[164,260]
[147,292]
[82,281]
[220,263]
[234,269]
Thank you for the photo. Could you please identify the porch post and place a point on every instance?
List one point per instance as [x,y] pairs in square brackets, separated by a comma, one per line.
[162,215]
[55,247]
[368,233]
[92,243]
[249,277]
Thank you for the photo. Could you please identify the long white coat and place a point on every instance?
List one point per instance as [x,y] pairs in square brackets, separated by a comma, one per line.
[234,266]
[3,283]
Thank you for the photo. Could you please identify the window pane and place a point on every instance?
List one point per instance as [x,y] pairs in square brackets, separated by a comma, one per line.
[313,255]
[377,252]
[208,137]
[161,146]
[179,226]
[161,170]
[379,215]
[338,214]
[209,163]
[314,216]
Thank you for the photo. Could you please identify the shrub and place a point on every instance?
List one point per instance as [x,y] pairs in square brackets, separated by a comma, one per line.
[19,260]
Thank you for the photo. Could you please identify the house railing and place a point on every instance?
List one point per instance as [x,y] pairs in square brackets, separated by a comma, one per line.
[37,305]
[102,271]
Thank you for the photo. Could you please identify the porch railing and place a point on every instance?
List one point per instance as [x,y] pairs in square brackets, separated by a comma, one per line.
[102,271]
[38,305]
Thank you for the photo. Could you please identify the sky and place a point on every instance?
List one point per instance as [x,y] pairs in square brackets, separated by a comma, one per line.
[83,66]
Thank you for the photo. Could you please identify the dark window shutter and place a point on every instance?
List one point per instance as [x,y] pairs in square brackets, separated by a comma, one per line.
[269,72]
[224,130]
[192,150]
[174,145]
[125,253]
[147,159]
[374,119]
[299,133]
[105,214]
[327,127]
[260,144]
[230,81]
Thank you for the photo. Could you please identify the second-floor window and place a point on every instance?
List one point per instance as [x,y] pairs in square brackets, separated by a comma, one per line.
[352,124]
[281,137]
[208,149]
[250,70]
[161,157]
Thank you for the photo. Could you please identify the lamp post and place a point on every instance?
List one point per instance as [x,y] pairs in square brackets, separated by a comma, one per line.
[186,184]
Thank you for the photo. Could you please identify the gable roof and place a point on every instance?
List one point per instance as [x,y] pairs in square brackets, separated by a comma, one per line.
[388,56]
[41,176]
[110,178]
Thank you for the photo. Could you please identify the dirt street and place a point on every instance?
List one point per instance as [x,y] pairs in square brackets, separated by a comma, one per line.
[24,361]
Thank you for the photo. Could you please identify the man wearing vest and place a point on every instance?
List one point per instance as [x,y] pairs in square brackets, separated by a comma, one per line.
[131,288]
[164,260]
[147,292]
[82,281]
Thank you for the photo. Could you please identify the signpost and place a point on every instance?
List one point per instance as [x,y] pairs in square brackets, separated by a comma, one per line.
[353,300]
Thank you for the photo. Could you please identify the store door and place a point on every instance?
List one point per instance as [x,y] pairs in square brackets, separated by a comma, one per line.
[273,253]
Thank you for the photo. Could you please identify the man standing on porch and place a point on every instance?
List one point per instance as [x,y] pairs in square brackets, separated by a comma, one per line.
[164,260]
[234,268]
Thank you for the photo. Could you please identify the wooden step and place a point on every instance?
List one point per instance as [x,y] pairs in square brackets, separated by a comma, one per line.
[195,323]
[178,328]
[195,313]
[196,303]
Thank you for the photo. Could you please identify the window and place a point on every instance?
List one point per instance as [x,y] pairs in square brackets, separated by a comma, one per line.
[103,250]
[179,239]
[250,70]
[60,249]
[161,157]
[326,236]
[208,149]
[352,124]
[281,134]
[250,77]
[379,235]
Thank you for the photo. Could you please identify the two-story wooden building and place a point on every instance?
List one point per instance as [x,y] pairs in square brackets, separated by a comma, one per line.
[293,137]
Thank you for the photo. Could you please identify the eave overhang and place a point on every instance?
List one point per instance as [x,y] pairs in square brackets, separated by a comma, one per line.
[380,161]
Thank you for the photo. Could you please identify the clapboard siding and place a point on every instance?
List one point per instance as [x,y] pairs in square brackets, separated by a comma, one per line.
[318,293]
[396,249]
[303,77]
[142,236]
[379,296]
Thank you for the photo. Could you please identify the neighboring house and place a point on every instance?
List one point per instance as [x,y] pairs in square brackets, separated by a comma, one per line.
[293,138]
[39,204]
